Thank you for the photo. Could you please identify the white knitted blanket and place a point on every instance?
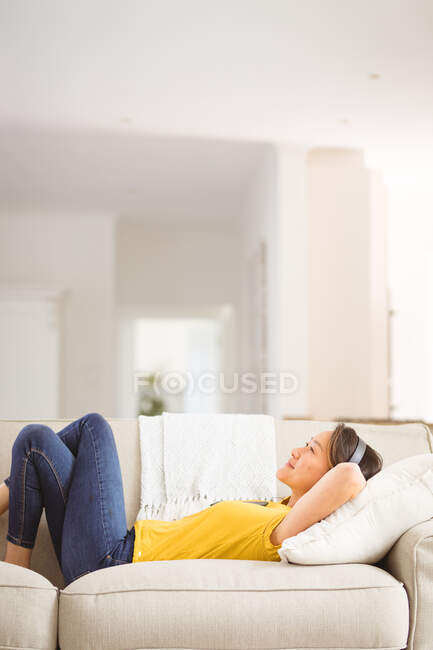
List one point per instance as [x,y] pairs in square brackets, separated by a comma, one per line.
[190,460]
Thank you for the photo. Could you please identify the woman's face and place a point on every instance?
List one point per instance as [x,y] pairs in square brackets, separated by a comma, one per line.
[307,464]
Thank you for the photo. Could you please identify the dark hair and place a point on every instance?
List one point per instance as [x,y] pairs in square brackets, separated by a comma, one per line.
[343,443]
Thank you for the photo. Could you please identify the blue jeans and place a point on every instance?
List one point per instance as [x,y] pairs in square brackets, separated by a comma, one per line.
[75,474]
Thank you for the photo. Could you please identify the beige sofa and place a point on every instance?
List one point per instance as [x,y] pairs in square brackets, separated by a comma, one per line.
[234,604]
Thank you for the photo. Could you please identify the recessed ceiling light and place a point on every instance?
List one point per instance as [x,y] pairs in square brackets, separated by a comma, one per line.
[374,75]
[344,121]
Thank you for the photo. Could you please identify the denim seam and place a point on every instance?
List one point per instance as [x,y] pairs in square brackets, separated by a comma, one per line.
[99,482]
[40,451]
[81,574]
[19,539]
[118,561]
[24,501]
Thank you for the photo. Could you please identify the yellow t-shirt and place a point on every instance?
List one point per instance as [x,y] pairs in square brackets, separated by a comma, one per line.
[237,530]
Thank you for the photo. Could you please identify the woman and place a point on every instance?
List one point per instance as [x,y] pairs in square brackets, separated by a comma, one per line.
[75,474]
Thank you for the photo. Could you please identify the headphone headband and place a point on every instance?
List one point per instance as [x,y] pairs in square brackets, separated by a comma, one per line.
[359,452]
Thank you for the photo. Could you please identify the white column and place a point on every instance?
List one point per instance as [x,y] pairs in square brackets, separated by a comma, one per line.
[347,310]
[288,344]
[274,213]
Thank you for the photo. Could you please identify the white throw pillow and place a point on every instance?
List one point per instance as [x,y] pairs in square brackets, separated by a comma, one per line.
[366,527]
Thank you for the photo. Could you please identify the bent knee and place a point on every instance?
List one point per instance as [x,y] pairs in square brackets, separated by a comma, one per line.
[34,431]
[94,418]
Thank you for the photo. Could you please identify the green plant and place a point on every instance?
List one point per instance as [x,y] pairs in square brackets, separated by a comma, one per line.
[149,403]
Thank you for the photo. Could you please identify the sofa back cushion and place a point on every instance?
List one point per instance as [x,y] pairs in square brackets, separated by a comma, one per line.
[392,441]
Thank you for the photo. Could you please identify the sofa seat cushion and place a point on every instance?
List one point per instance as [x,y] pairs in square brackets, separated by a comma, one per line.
[210,603]
[28,609]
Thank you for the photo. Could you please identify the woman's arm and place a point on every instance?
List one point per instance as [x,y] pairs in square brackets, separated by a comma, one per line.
[338,485]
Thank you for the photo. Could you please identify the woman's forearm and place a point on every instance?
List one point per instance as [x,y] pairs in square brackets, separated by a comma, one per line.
[334,488]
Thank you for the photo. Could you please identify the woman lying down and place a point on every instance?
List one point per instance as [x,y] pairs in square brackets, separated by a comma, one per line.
[75,474]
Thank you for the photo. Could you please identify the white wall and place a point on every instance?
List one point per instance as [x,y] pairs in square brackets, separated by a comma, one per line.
[74,253]
[274,212]
[411,282]
[259,221]
[173,271]
[109,269]
[380,318]
[291,355]
[347,313]
[29,373]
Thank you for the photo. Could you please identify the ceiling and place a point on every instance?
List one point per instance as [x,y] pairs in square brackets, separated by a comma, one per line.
[132,176]
[113,106]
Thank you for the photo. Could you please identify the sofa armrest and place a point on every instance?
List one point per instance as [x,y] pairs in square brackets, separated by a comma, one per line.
[410,560]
